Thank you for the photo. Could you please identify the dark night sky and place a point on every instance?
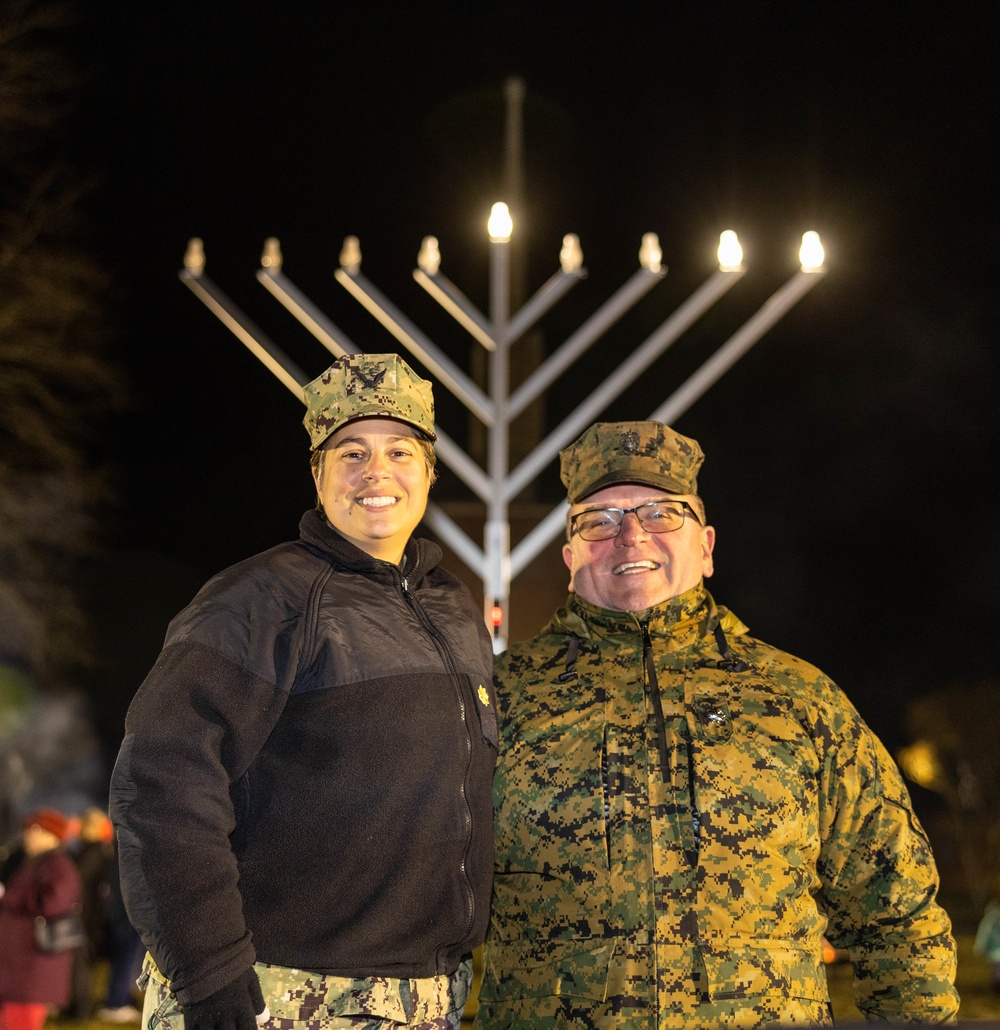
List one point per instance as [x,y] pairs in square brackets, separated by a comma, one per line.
[851,455]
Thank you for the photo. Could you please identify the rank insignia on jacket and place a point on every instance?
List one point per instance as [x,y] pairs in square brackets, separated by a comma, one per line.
[484,696]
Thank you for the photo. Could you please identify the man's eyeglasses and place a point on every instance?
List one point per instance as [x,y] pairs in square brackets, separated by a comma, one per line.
[654,517]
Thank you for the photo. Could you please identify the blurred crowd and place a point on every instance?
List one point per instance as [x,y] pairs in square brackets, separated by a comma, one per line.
[66,945]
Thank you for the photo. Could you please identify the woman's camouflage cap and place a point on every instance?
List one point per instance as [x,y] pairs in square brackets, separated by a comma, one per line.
[367,385]
[630,452]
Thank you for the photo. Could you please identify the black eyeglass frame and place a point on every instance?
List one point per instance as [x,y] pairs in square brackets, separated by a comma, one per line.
[688,512]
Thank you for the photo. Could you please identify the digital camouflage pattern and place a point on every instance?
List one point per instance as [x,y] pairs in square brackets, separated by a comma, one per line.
[690,884]
[373,385]
[300,1000]
[630,452]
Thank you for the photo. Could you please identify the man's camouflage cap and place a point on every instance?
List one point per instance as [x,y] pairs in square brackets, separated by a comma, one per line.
[367,385]
[630,452]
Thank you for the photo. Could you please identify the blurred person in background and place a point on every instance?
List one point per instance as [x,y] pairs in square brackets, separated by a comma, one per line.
[124,956]
[94,859]
[45,884]
[987,942]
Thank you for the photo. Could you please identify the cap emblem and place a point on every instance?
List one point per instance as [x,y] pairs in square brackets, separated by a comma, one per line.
[371,375]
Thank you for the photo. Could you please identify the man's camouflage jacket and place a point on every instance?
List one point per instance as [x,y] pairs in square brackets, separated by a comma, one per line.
[682,813]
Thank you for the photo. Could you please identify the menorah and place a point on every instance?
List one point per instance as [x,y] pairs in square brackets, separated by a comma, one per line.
[496,407]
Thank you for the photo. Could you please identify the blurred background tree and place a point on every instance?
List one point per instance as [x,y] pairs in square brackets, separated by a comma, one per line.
[56,384]
[956,753]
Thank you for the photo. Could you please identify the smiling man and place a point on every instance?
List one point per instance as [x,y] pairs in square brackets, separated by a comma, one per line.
[683,811]
[302,797]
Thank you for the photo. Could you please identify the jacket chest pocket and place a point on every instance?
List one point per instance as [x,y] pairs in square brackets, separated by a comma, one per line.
[713,721]
[753,759]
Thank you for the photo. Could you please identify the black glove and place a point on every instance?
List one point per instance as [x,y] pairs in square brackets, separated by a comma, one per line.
[234,1007]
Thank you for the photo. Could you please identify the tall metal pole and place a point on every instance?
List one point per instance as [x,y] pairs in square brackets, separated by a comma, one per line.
[496,600]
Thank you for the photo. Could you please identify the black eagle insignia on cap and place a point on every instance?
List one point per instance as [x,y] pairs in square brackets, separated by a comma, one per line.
[371,375]
[630,442]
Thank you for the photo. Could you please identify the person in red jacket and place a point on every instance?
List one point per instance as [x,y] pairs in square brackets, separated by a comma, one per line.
[46,883]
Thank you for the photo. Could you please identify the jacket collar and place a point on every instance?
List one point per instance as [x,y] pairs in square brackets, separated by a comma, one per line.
[683,619]
[419,558]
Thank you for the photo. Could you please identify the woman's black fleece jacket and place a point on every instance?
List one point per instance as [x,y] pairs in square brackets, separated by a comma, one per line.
[306,773]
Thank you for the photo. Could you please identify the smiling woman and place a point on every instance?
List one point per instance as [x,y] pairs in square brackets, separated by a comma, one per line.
[372,485]
[371,423]
[321,704]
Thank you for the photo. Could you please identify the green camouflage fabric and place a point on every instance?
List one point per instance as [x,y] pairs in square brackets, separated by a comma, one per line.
[373,385]
[693,887]
[630,452]
[300,1000]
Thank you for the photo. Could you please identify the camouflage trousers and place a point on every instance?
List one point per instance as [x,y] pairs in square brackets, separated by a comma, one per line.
[300,1000]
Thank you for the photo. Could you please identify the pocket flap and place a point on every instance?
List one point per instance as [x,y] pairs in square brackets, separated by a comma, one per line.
[295,995]
[741,971]
[535,969]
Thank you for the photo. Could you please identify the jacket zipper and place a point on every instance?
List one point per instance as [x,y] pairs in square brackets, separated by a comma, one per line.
[442,646]
[654,688]
[649,665]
